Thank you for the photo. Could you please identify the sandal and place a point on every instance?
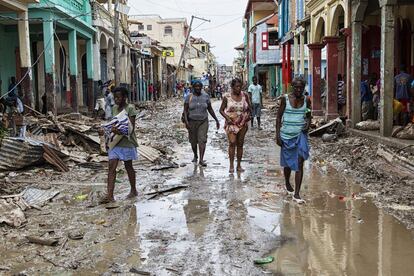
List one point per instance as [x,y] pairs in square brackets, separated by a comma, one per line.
[298,200]
[203,163]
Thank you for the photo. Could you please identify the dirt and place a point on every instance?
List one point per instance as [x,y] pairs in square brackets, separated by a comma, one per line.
[213,223]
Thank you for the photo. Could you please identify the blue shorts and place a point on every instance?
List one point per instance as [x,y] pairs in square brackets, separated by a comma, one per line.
[123,154]
[257,110]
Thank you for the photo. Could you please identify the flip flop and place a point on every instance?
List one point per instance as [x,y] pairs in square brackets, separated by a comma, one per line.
[298,200]
[289,193]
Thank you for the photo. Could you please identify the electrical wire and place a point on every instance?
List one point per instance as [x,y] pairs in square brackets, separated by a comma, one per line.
[187,12]
[221,25]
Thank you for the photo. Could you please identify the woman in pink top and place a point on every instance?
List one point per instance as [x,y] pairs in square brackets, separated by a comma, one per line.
[236,110]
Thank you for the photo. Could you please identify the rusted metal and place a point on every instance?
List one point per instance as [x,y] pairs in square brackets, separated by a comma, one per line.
[17,153]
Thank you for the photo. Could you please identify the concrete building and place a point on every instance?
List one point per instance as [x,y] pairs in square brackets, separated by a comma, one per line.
[262,45]
[15,54]
[171,33]
[328,22]
[103,21]
[382,39]
[65,73]
[201,59]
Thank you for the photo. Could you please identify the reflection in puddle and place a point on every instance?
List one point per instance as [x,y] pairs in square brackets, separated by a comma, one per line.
[330,237]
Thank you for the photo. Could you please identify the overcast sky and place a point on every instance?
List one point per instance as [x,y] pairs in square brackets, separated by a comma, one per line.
[225,30]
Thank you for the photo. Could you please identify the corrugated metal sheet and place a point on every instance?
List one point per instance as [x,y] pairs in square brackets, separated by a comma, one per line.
[17,153]
[34,196]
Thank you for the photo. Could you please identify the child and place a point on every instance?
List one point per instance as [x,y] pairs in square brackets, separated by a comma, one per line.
[125,150]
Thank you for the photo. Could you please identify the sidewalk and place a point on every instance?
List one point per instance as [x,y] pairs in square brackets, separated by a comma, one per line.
[389,141]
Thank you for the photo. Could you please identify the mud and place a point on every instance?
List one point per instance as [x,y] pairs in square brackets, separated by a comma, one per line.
[391,184]
[218,225]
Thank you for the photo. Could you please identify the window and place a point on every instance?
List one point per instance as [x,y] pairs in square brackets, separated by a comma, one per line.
[273,36]
[168,30]
[149,27]
[140,27]
[265,41]
[203,49]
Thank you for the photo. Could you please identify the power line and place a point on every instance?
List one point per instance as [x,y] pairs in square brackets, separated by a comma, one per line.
[187,12]
[221,25]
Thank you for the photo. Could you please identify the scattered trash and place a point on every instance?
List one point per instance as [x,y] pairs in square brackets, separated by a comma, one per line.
[76,235]
[368,125]
[266,260]
[406,133]
[329,137]
[333,127]
[38,197]
[360,220]
[11,212]
[167,190]
[138,271]
[43,241]
[81,197]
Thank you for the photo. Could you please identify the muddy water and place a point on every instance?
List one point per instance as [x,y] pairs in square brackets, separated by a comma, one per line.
[221,223]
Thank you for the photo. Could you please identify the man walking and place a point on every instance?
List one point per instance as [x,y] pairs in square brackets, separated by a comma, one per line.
[255,91]
[292,124]
[403,94]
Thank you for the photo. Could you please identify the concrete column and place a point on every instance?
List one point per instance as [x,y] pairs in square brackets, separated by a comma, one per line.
[316,59]
[295,55]
[284,82]
[348,35]
[289,63]
[332,77]
[356,72]
[387,68]
[89,69]
[25,60]
[49,58]
[302,53]
[73,69]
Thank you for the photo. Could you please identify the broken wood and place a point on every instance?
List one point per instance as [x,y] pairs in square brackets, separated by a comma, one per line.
[160,192]
[395,159]
[43,241]
[52,158]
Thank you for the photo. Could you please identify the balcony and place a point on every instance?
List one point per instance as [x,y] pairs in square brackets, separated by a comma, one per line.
[69,7]
[101,17]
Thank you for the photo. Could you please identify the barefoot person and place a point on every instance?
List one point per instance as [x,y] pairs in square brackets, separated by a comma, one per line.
[197,105]
[235,109]
[292,124]
[125,150]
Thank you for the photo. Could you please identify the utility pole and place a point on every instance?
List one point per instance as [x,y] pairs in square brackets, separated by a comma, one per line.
[116,45]
[186,41]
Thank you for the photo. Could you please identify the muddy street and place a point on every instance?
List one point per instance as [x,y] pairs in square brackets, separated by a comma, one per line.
[204,221]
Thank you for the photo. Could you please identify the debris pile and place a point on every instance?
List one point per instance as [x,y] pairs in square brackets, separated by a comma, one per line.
[330,131]
[12,207]
[52,139]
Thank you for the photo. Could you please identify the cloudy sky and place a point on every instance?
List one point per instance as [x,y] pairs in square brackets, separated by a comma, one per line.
[225,30]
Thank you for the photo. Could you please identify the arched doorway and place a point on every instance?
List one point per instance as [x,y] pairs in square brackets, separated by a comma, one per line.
[104,63]
[62,98]
[110,59]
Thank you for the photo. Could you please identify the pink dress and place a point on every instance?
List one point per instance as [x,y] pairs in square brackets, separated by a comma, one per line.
[239,113]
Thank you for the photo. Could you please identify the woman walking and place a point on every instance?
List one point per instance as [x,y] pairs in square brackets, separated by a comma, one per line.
[197,105]
[125,149]
[236,110]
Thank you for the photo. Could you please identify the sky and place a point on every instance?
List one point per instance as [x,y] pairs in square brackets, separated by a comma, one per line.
[224,32]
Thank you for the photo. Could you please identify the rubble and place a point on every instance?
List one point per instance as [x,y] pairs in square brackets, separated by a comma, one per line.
[368,125]
[52,139]
[336,127]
